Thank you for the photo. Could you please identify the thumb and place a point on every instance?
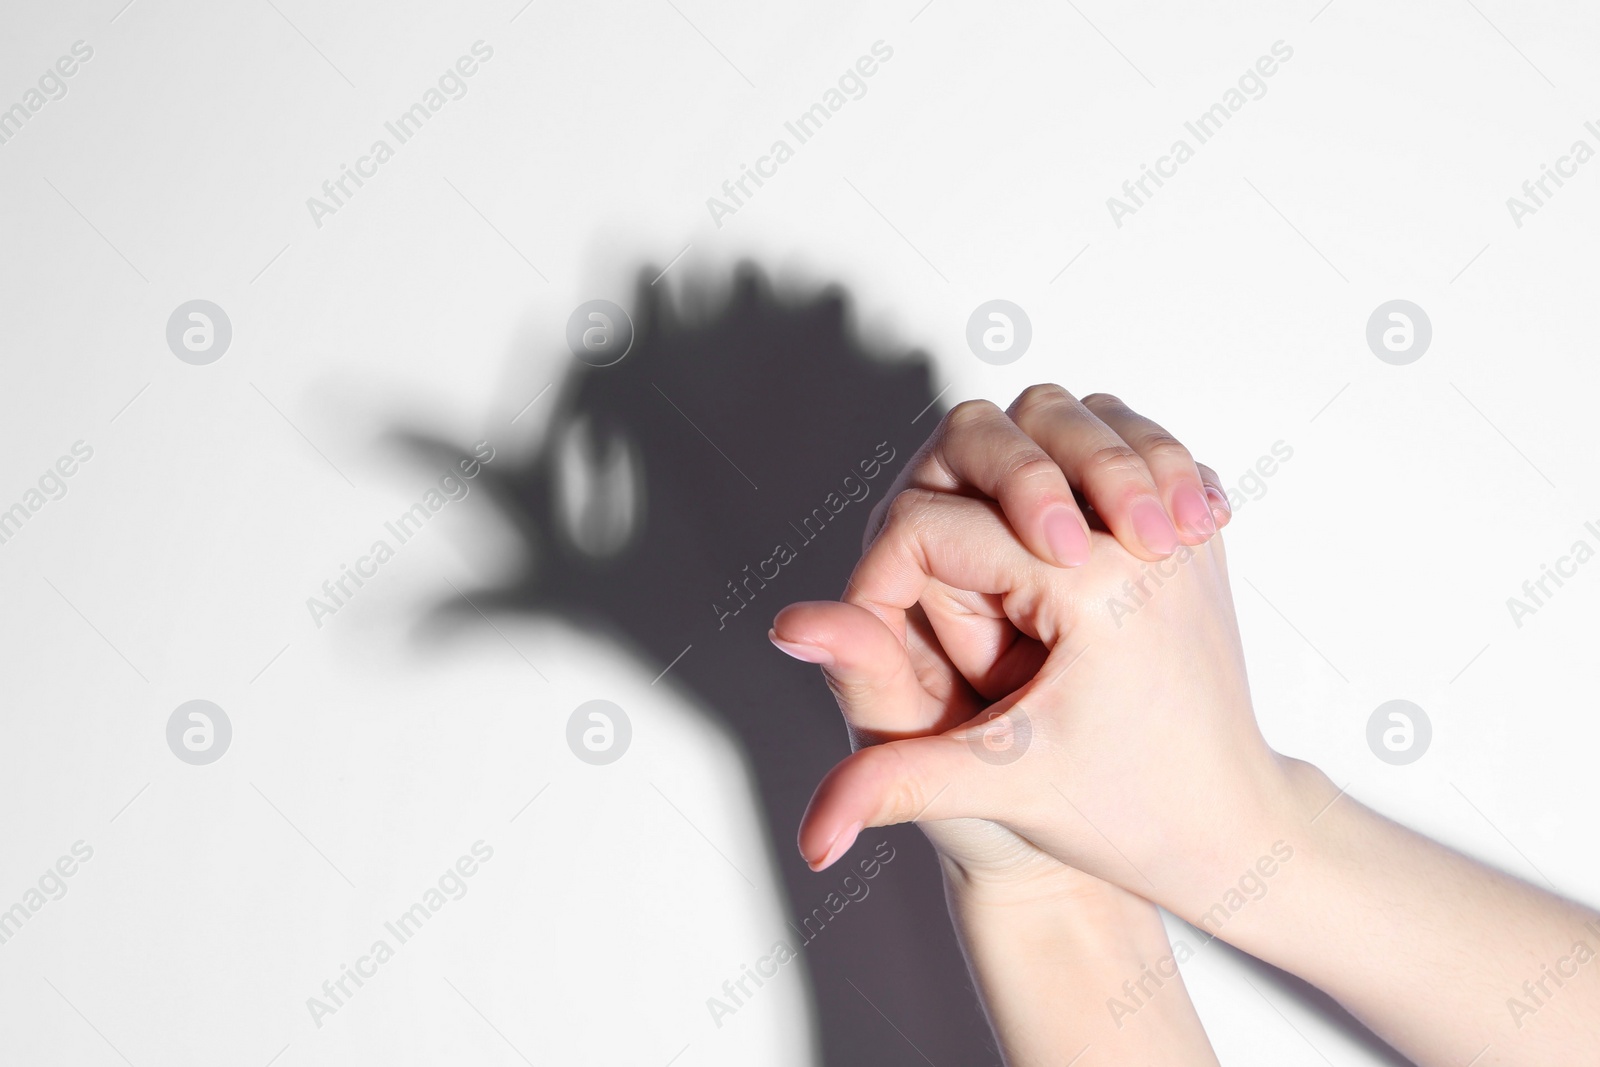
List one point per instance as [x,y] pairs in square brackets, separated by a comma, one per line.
[879,689]
[927,778]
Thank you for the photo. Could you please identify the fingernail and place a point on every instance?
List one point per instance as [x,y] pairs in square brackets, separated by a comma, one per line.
[1150,522]
[1065,536]
[1221,510]
[840,846]
[1193,513]
[802,652]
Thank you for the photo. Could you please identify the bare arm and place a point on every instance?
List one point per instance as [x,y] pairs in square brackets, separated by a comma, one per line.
[1450,961]
[1058,961]
[1146,768]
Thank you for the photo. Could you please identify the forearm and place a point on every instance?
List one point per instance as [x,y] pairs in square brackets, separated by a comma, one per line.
[1055,969]
[1448,960]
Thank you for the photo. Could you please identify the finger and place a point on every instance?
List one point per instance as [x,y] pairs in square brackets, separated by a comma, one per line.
[978,450]
[932,537]
[903,781]
[982,642]
[1102,466]
[939,676]
[1216,496]
[1170,464]
[871,673]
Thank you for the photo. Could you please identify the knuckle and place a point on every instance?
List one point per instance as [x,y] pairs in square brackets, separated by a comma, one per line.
[908,507]
[1043,395]
[905,797]
[1159,444]
[969,413]
[852,693]
[1103,401]
[1114,462]
[1029,467]
[905,800]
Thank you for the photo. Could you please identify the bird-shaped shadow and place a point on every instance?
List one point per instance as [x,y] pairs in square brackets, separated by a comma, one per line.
[682,495]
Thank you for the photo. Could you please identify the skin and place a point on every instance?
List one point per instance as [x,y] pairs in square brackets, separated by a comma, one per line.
[1047,944]
[1047,958]
[1121,683]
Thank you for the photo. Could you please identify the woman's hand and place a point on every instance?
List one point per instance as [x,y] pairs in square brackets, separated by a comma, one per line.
[1133,751]
[1030,459]
[1139,481]
[1048,945]
[948,615]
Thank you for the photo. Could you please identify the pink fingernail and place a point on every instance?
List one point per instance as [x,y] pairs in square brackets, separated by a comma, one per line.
[1193,513]
[1221,510]
[840,846]
[802,652]
[1150,522]
[1065,536]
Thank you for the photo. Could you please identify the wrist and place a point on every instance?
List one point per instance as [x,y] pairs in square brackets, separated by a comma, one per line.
[1053,919]
[1042,882]
[991,873]
[1280,870]
[1272,821]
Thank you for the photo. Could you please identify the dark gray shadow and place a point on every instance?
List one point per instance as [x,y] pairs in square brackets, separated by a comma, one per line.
[662,478]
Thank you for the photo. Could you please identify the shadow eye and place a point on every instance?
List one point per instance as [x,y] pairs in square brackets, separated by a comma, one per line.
[599,489]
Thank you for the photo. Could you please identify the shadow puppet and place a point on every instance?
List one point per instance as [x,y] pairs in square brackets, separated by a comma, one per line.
[723,468]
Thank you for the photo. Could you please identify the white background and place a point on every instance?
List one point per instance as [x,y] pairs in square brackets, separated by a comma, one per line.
[1233,307]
